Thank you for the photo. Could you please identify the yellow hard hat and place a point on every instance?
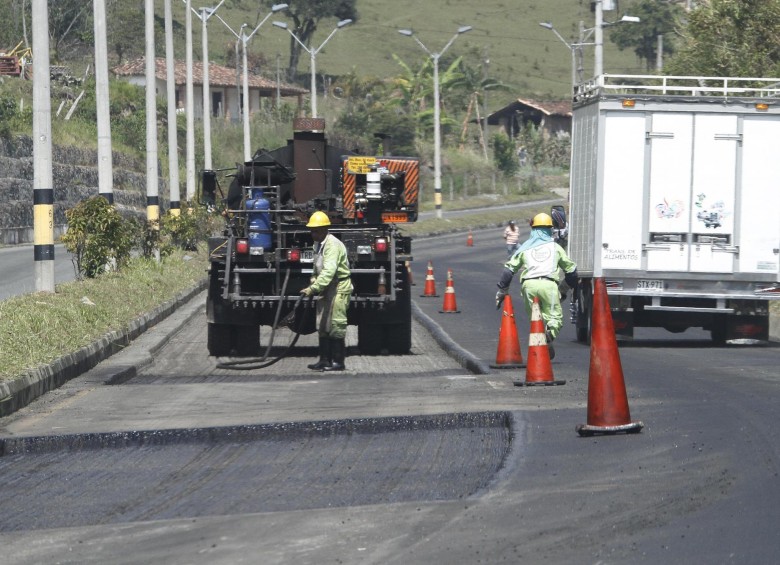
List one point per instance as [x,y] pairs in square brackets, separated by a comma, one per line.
[542,221]
[320,220]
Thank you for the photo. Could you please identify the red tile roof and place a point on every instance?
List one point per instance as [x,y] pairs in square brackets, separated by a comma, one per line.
[218,76]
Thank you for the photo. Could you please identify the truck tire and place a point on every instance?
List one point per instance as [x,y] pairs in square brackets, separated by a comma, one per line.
[398,336]
[584,310]
[228,339]
[718,332]
[370,338]
[219,340]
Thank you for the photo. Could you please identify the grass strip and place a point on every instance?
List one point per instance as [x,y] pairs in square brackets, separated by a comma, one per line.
[37,328]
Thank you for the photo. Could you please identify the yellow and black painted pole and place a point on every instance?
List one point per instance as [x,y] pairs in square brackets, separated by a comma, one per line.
[43,182]
[153,210]
[43,224]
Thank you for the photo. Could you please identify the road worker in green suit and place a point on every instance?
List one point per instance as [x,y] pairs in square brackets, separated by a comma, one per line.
[540,261]
[331,281]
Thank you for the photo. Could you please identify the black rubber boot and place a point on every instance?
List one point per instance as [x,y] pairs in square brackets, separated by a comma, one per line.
[336,355]
[551,350]
[325,354]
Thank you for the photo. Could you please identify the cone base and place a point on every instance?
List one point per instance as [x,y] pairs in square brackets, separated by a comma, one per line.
[538,383]
[586,430]
[449,311]
[429,296]
[507,366]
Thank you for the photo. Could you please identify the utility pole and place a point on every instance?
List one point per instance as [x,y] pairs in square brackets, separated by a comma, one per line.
[43,184]
[173,143]
[484,124]
[598,69]
[152,198]
[102,96]
[190,108]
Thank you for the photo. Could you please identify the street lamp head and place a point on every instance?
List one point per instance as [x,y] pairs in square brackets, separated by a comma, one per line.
[278,7]
[280,24]
[406,32]
[464,29]
[546,25]
[343,23]
[633,19]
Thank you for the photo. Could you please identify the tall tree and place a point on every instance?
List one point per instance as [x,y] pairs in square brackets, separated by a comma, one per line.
[655,18]
[730,38]
[70,26]
[306,16]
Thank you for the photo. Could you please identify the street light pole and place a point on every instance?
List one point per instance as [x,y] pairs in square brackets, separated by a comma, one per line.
[548,25]
[204,15]
[598,65]
[313,56]
[436,111]
[244,39]
[584,35]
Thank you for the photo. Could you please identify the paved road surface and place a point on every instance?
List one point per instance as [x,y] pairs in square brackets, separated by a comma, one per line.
[17,269]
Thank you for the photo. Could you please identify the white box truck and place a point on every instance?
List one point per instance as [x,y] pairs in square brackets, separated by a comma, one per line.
[675,201]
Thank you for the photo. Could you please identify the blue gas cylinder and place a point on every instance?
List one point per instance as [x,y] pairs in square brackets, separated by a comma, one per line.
[259,220]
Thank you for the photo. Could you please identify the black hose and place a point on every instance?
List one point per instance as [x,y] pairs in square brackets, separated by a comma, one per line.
[257,363]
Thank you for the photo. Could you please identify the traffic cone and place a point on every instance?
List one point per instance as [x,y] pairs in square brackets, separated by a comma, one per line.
[508,355]
[607,402]
[470,240]
[450,305]
[430,283]
[538,370]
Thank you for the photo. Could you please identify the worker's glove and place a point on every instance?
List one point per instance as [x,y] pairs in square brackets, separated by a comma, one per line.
[307,291]
[564,294]
[500,297]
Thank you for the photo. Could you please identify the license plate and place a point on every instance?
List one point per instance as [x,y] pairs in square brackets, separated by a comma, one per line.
[395,217]
[307,256]
[651,285]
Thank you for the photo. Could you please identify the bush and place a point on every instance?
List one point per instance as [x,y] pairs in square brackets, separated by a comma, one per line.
[98,237]
[185,230]
[504,154]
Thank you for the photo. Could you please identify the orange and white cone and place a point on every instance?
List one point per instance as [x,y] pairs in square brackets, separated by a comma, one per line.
[450,305]
[508,355]
[607,401]
[430,283]
[538,371]
[470,240]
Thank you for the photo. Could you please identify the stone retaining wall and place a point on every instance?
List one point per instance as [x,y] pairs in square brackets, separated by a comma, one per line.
[75,176]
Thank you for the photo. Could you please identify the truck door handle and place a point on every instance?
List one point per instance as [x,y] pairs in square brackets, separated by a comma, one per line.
[656,246]
[729,136]
[659,135]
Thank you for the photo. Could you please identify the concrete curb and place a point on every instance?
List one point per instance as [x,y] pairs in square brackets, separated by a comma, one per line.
[465,358]
[19,392]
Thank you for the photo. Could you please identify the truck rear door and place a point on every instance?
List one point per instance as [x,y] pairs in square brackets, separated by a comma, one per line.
[692,192]
[759,211]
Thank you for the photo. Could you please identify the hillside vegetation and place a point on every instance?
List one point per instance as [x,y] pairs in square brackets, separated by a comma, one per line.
[523,55]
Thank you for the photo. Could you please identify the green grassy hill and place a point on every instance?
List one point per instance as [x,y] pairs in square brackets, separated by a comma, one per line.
[530,59]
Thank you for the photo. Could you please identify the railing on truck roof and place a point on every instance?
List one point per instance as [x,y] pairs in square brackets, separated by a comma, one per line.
[660,85]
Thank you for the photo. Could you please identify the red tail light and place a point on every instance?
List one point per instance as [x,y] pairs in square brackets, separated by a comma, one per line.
[380,245]
[242,246]
[294,255]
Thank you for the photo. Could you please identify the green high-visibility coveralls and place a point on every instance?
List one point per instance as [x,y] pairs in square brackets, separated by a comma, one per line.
[540,271]
[332,281]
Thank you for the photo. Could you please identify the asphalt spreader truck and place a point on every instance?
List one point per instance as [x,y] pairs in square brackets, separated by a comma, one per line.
[265,255]
[675,202]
